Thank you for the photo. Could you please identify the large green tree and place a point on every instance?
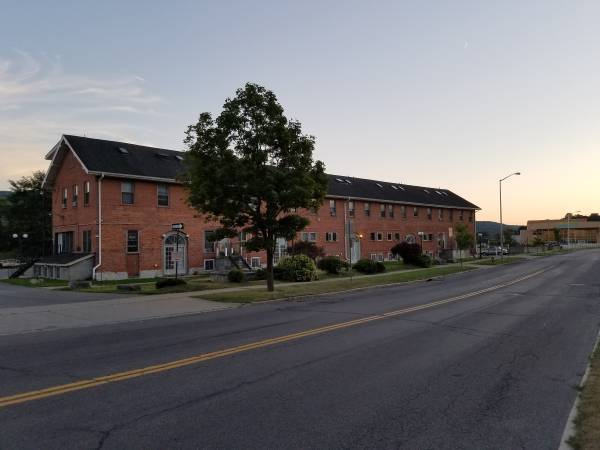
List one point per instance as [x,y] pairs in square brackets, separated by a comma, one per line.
[27,211]
[251,168]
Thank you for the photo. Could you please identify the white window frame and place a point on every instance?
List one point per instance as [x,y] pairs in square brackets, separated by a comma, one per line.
[212,261]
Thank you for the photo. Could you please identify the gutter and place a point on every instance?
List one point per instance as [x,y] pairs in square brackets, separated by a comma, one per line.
[99,227]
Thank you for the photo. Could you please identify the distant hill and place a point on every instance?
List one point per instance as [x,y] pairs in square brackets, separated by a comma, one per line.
[493,228]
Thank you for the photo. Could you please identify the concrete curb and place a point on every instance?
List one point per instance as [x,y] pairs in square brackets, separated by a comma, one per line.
[569,430]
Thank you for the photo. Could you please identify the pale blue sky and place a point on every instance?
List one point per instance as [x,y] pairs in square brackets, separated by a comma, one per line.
[451,94]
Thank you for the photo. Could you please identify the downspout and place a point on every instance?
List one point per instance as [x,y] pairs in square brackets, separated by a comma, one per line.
[99,227]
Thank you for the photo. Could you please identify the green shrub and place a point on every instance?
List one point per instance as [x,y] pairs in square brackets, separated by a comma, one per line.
[260,274]
[331,264]
[408,252]
[380,267]
[168,282]
[296,268]
[423,261]
[366,266]
[235,276]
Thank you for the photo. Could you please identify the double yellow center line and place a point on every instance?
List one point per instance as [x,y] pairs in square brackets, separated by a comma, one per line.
[121,376]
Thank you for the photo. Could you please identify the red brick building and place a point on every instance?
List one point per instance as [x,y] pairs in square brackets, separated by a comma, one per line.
[117,201]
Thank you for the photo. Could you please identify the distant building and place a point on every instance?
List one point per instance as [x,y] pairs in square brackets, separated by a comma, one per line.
[577,230]
[117,202]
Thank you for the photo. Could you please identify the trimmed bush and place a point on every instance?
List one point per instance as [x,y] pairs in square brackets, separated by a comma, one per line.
[169,282]
[366,266]
[380,267]
[235,276]
[331,264]
[409,253]
[260,274]
[296,268]
[423,261]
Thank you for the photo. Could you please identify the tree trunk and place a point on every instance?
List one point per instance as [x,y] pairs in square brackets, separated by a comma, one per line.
[270,284]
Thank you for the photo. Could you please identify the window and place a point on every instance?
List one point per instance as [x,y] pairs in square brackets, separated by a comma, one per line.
[390,210]
[75,195]
[440,214]
[209,264]
[308,236]
[396,236]
[127,193]
[428,213]
[351,209]
[209,241]
[380,236]
[367,209]
[245,236]
[450,215]
[470,216]
[332,209]
[86,193]
[162,195]
[65,197]
[331,236]
[255,262]
[427,237]
[372,236]
[403,211]
[415,211]
[87,241]
[63,242]
[461,215]
[132,241]
[410,238]
[382,210]
[389,236]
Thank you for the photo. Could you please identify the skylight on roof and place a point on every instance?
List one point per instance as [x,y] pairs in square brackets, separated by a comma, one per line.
[348,181]
[445,193]
[179,157]
[400,187]
[438,192]
[427,191]
[394,187]
[162,155]
[123,151]
[339,180]
[379,185]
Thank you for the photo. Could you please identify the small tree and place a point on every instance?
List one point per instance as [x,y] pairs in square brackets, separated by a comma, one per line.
[408,252]
[310,249]
[250,168]
[464,239]
[556,234]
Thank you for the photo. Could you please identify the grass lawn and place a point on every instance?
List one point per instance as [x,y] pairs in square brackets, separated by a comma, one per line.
[148,286]
[318,287]
[496,261]
[587,422]
[37,282]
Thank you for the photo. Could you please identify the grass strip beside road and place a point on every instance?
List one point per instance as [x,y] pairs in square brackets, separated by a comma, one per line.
[325,287]
[587,421]
[497,261]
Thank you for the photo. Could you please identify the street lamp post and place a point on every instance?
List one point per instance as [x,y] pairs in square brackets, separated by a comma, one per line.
[569,228]
[20,238]
[501,223]
[480,236]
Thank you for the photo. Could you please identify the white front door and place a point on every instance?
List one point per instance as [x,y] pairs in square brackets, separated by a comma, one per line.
[175,255]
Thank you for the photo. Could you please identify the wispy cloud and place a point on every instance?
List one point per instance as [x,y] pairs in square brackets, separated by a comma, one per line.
[40,100]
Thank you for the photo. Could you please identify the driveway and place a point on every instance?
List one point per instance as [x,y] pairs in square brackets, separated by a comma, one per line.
[12,296]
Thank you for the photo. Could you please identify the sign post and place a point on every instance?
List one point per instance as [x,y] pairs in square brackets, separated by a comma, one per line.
[177,227]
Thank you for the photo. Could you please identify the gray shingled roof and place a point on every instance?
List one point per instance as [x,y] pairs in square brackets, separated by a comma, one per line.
[124,159]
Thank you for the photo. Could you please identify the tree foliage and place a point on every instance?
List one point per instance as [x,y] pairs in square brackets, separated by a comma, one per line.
[464,239]
[27,210]
[250,168]
[310,249]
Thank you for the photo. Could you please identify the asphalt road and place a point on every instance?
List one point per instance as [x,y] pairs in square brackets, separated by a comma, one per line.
[493,370]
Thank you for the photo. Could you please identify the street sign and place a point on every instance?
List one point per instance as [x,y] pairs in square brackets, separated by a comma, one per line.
[177,226]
